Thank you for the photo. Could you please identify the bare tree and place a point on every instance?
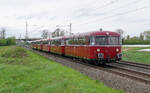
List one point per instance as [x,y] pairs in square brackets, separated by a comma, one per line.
[45,34]
[58,32]
[62,33]
[120,31]
[141,36]
[128,37]
[3,33]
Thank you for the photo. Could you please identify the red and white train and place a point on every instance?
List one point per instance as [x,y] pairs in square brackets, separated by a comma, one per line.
[97,47]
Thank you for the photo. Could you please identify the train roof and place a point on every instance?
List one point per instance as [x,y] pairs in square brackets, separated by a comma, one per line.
[94,33]
[40,40]
[56,38]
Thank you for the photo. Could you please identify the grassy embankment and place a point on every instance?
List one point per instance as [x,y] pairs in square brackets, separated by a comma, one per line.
[22,71]
[132,54]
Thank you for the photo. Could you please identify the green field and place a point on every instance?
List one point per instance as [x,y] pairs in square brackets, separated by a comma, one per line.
[132,54]
[22,71]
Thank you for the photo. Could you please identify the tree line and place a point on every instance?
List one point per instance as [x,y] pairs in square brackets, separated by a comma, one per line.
[8,41]
[143,38]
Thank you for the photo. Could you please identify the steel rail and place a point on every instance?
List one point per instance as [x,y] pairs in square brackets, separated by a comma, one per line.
[140,65]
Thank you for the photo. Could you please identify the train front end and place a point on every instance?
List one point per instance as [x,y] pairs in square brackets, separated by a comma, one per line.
[107,47]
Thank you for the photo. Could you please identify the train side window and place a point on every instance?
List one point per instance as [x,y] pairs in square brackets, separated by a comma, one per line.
[41,42]
[81,40]
[49,42]
[67,41]
[92,40]
[46,42]
[56,42]
[70,41]
[75,41]
[62,42]
[53,42]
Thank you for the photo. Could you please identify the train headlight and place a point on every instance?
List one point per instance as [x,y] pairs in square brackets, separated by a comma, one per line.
[98,50]
[117,50]
[107,33]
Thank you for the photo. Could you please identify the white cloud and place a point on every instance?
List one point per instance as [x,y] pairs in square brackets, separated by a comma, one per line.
[85,15]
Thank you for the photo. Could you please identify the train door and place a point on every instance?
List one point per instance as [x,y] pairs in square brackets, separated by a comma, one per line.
[63,46]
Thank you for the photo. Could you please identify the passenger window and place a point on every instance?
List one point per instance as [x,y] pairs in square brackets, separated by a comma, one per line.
[81,40]
[62,42]
[92,41]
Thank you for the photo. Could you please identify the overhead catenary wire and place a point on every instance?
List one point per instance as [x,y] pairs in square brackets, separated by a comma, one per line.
[114,9]
[127,4]
[123,6]
[117,14]
[107,4]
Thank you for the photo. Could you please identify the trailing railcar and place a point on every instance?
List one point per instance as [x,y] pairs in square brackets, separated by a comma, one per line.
[39,45]
[57,45]
[46,45]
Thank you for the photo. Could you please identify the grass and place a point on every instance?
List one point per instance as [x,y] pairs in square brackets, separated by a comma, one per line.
[22,71]
[132,54]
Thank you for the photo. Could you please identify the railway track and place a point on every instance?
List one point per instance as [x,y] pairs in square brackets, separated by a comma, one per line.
[140,65]
[128,73]
[131,73]
[124,72]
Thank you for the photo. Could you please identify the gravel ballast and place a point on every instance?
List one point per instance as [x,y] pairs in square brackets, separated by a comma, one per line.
[109,79]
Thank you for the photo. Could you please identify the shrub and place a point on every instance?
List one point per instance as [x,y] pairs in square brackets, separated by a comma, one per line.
[15,52]
[8,41]
[133,42]
[3,42]
[11,41]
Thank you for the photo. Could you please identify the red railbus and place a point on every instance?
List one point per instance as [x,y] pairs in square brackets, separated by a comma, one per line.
[97,47]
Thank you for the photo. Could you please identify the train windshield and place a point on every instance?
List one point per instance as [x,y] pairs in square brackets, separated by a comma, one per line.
[114,40]
[100,40]
[107,40]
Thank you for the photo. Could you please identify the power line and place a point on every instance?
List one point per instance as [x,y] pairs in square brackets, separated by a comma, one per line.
[135,1]
[125,5]
[70,28]
[26,36]
[107,4]
[118,14]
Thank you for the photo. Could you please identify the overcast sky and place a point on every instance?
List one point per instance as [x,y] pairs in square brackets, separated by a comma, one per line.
[133,16]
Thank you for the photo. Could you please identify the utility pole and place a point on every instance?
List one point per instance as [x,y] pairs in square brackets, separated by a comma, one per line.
[26,36]
[19,39]
[70,28]
[49,34]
